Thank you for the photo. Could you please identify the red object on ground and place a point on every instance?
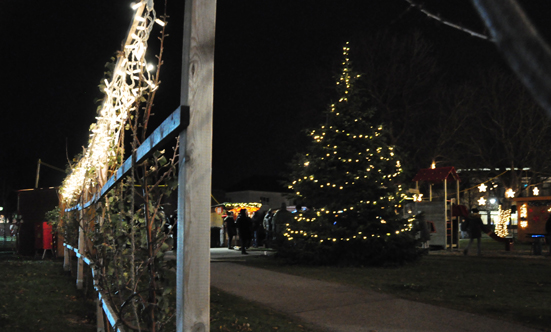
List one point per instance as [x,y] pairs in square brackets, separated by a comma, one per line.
[43,236]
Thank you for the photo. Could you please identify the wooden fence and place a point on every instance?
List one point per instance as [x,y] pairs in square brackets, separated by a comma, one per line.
[193,124]
[169,129]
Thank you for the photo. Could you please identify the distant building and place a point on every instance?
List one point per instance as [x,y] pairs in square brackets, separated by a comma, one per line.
[269,191]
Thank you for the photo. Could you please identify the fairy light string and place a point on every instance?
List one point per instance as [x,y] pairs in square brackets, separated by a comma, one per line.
[347,156]
[130,81]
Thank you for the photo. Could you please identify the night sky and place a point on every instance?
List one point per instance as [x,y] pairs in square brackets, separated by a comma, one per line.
[274,64]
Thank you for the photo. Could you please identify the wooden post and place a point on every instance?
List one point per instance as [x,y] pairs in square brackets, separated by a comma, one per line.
[37,174]
[66,260]
[458,217]
[100,325]
[80,264]
[66,252]
[194,189]
[446,214]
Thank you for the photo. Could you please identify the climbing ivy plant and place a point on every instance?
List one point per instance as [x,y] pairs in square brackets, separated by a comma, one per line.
[127,232]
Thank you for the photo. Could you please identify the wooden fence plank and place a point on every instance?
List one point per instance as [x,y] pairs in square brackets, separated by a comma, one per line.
[168,129]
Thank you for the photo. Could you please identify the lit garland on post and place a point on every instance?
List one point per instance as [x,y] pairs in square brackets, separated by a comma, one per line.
[130,81]
[501,225]
[523,215]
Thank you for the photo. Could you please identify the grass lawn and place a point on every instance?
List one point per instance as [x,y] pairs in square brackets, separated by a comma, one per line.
[497,285]
[37,295]
[231,313]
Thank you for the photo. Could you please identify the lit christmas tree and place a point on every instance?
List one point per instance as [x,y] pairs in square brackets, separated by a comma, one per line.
[351,179]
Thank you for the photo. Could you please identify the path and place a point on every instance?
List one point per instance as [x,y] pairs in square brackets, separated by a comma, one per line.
[334,307]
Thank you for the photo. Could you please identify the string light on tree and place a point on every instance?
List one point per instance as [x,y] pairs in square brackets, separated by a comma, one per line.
[349,174]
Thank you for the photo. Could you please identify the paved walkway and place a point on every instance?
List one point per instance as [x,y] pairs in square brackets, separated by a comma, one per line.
[334,307]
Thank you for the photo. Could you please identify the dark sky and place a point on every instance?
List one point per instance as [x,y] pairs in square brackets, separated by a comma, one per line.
[273,73]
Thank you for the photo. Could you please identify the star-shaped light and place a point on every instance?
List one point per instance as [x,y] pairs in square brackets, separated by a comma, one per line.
[536,191]
[481,201]
[509,193]
[482,188]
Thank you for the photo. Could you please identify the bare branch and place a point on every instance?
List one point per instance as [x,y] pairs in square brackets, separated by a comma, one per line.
[448,23]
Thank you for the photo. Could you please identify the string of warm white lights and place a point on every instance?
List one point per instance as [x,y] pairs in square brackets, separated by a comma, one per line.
[501,224]
[290,233]
[130,81]
[358,236]
[237,207]
[358,158]
[523,215]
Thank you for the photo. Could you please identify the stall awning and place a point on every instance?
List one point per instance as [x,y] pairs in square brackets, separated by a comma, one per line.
[437,174]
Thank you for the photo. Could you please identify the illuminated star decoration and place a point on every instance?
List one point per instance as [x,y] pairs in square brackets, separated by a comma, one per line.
[417,197]
[510,193]
[482,188]
[481,201]
[536,191]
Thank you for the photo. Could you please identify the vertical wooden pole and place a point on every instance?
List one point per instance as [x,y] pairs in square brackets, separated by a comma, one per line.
[458,217]
[66,260]
[37,174]
[66,252]
[80,264]
[100,326]
[446,214]
[194,189]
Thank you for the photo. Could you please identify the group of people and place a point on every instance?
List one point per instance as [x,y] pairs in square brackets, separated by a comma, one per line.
[10,228]
[260,230]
